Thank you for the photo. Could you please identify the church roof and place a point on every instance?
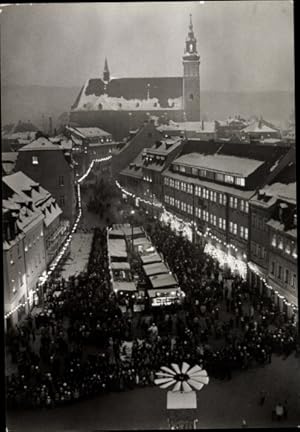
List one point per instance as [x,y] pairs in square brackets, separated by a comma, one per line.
[161,93]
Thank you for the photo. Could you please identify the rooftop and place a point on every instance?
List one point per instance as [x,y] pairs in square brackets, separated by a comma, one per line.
[221,163]
[89,132]
[41,143]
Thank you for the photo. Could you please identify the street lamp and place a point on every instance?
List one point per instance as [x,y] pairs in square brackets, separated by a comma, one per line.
[132,212]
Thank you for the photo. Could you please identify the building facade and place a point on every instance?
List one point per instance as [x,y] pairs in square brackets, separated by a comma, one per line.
[52,166]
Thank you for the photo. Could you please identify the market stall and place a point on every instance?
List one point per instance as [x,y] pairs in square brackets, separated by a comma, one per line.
[155,269]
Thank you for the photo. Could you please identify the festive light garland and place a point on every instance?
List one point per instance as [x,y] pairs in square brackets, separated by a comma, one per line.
[168,216]
[46,275]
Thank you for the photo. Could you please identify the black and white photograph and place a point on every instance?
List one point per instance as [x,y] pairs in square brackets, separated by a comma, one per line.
[149,216]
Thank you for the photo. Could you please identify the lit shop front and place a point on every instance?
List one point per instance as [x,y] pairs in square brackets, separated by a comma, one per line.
[226,259]
[166,296]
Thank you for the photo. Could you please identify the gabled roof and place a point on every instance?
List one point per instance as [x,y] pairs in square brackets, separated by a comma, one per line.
[41,143]
[259,126]
[88,132]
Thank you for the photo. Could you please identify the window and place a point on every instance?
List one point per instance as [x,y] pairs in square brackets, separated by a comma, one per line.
[177,183]
[167,199]
[279,270]
[61,181]
[171,183]
[240,181]
[177,204]
[222,199]
[242,231]
[242,205]
[213,196]
[205,193]
[272,268]
[233,202]
[274,240]
[181,168]
[293,280]
[189,209]
[214,220]
[183,186]
[198,212]
[246,234]
[194,171]
[35,160]
[183,206]
[189,188]
[171,201]
[280,243]
[205,215]
[229,179]
[233,228]
[175,167]
[295,255]
[286,276]
[219,177]
[62,201]
[198,191]
[288,248]
[258,253]
[167,181]
[202,173]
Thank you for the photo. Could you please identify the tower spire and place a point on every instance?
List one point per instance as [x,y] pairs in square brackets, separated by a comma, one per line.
[106,74]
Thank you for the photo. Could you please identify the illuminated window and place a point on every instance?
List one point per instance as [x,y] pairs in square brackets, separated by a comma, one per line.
[246,233]
[177,183]
[274,240]
[295,255]
[240,181]
[242,231]
[229,179]
[35,160]
[280,243]
[166,181]
[194,171]
[198,212]
[172,201]
[202,173]
[171,183]
[246,207]
[177,203]
[294,280]
[198,191]
[167,199]
[182,168]
[190,188]
[219,177]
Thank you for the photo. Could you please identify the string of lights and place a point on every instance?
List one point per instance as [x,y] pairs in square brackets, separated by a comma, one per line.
[43,279]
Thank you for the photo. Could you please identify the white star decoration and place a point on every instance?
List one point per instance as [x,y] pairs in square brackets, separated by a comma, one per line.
[184,380]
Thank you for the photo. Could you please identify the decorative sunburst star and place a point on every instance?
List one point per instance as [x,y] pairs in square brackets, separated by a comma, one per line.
[184,380]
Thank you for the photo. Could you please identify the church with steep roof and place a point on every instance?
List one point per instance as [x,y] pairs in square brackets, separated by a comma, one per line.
[119,105]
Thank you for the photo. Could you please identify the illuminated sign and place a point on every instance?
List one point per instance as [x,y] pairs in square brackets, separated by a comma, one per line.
[162,301]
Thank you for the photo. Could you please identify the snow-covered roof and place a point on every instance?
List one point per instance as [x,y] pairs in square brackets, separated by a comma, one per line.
[88,132]
[192,126]
[278,226]
[163,280]
[221,163]
[259,126]
[120,266]
[25,136]
[41,143]
[155,268]
[282,191]
[151,258]
[124,286]
[117,248]
[91,102]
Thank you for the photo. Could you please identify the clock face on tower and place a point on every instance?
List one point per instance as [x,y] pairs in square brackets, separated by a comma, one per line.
[191,48]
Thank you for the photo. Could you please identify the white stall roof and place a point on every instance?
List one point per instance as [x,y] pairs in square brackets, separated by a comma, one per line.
[151,258]
[163,280]
[117,248]
[181,400]
[163,292]
[155,268]
[120,265]
[116,233]
[124,286]
[136,231]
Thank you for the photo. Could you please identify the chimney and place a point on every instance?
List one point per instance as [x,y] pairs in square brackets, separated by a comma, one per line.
[50,126]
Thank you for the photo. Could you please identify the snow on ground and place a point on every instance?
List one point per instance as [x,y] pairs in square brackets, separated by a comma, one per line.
[80,250]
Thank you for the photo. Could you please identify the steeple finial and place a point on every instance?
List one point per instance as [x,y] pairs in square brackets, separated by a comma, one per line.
[191,23]
[106,74]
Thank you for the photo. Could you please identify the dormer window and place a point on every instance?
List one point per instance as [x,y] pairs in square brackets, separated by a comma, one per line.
[35,160]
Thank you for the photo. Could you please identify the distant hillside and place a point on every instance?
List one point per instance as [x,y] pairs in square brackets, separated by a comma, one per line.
[31,102]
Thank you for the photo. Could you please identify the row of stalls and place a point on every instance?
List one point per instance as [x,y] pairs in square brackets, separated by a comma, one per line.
[138,272]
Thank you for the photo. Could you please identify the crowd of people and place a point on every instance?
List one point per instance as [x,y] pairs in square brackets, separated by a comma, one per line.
[74,348]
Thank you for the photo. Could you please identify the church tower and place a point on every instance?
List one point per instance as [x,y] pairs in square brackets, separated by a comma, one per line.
[191,77]
[106,74]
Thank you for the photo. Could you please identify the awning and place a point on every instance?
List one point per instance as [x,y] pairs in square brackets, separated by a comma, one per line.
[117,248]
[163,280]
[180,400]
[155,269]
